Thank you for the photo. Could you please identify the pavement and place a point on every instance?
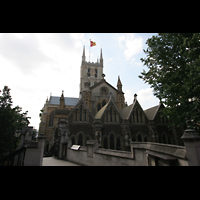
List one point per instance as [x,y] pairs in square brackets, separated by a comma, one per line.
[51,161]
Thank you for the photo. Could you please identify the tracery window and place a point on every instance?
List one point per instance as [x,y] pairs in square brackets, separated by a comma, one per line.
[95,73]
[103,103]
[51,118]
[112,142]
[80,140]
[88,72]
[98,106]
[80,114]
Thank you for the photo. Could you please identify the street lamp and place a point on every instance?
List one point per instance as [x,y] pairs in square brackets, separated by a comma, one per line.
[17,135]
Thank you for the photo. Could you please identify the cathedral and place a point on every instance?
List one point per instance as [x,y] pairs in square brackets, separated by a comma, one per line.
[100,113]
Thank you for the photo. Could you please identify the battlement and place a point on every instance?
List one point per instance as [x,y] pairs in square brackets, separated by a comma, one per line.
[93,63]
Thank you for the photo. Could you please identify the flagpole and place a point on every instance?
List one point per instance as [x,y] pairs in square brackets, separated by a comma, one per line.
[89,51]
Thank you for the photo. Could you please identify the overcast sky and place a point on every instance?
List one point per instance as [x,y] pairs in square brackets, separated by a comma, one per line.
[34,65]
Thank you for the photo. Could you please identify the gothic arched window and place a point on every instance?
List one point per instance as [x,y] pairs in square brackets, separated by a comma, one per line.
[111,115]
[112,146]
[88,72]
[118,144]
[105,143]
[103,103]
[95,73]
[137,115]
[73,141]
[51,118]
[80,114]
[139,138]
[98,106]
[80,140]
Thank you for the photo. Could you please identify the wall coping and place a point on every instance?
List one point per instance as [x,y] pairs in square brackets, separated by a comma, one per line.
[171,150]
[116,153]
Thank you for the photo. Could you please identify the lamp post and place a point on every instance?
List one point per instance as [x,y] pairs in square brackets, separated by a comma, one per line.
[17,135]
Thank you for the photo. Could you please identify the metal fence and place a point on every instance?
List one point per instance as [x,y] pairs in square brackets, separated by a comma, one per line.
[14,159]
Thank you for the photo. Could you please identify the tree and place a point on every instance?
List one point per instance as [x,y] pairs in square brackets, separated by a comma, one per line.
[173,60]
[41,111]
[11,119]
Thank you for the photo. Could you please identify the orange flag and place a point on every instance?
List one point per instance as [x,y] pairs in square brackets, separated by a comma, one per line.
[92,43]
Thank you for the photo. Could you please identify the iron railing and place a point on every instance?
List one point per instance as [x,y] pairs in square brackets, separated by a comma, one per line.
[14,159]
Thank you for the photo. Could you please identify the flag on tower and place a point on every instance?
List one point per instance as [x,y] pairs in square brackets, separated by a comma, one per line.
[92,43]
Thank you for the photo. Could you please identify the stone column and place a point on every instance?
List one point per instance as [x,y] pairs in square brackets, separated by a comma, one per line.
[192,144]
[34,151]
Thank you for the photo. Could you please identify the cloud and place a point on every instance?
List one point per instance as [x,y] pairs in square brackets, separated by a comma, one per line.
[144,96]
[110,59]
[23,51]
[131,44]
[35,65]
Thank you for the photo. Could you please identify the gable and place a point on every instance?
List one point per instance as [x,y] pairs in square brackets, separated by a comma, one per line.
[134,113]
[103,90]
[82,108]
[127,111]
[152,112]
[109,107]
[101,82]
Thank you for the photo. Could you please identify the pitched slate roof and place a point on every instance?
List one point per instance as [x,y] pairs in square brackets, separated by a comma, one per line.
[100,112]
[69,101]
[125,112]
[151,112]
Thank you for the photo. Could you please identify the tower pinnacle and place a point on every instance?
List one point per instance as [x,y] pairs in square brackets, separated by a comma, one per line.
[101,58]
[83,56]
[119,84]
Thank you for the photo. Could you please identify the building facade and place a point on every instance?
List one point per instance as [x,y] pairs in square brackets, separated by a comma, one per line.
[100,113]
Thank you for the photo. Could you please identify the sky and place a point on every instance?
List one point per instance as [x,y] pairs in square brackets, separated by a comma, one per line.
[33,65]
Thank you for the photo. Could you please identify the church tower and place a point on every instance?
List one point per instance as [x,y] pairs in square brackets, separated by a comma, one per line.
[90,71]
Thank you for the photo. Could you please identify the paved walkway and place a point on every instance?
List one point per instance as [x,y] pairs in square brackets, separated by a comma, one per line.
[51,161]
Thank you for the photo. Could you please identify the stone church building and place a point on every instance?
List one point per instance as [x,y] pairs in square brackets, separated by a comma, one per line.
[100,113]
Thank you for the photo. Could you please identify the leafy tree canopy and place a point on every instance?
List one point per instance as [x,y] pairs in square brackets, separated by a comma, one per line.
[173,60]
[11,119]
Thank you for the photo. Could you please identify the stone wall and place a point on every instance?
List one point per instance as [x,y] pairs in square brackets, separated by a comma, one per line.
[142,154]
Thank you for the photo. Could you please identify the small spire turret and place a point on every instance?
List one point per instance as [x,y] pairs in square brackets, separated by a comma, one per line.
[119,84]
[83,56]
[101,58]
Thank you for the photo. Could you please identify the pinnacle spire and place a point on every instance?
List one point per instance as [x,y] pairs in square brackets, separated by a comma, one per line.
[83,56]
[62,101]
[101,58]
[119,84]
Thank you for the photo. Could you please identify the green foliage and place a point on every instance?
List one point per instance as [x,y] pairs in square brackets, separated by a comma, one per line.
[40,115]
[173,60]
[11,119]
